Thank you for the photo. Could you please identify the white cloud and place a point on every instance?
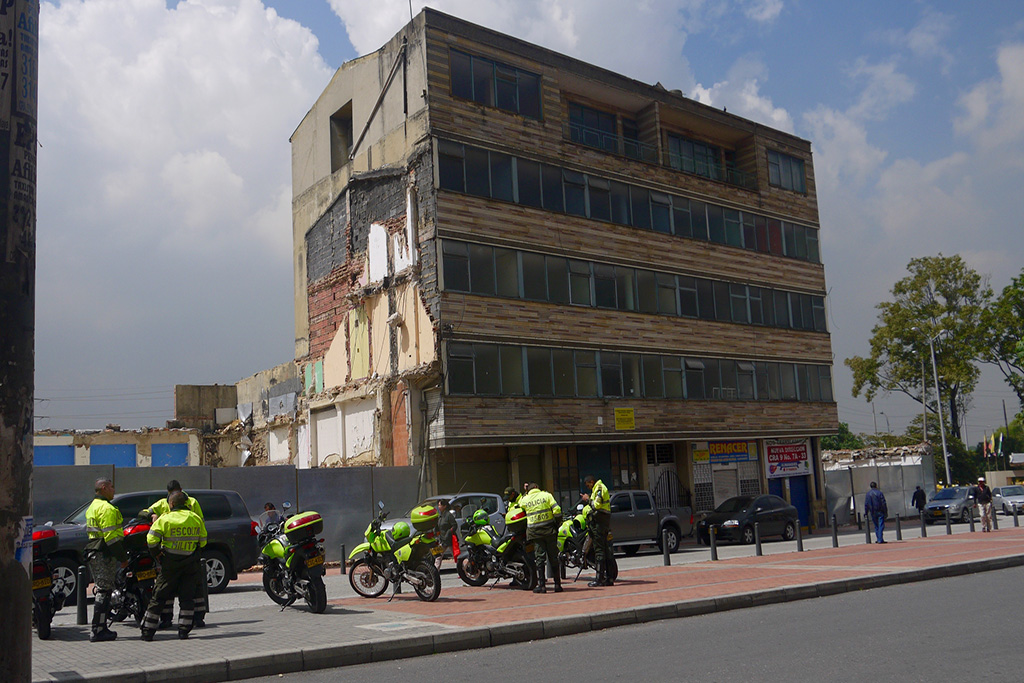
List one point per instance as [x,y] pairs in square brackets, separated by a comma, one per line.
[740,93]
[992,109]
[926,40]
[762,11]
[885,89]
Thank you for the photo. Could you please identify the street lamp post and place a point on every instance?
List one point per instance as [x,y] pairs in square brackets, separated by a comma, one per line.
[938,405]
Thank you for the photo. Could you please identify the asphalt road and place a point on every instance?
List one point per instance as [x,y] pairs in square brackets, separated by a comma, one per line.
[960,628]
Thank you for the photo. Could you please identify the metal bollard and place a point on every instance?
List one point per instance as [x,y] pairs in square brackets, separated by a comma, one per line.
[835,533]
[83,607]
[858,522]
[799,538]
[757,539]
[344,557]
[1015,521]
[867,530]
[924,526]
[995,520]
[714,548]
[970,520]
[949,527]
[899,529]
[664,548]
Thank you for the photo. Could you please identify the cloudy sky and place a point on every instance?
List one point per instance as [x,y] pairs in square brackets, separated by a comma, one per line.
[164,189]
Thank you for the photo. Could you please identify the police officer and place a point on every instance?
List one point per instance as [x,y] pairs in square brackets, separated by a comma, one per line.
[176,537]
[104,550]
[202,598]
[600,503]
[543,517]
[511,496]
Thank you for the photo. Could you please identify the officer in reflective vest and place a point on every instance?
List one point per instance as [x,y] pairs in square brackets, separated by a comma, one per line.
[202,594]
[543,517]
[104,551]
[600,502]
[176,538]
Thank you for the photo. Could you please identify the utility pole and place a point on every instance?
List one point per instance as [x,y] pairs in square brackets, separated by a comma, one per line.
[1006,423]
[19,69]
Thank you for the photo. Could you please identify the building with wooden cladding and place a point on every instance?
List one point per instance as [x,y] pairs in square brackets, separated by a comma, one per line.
[511,265]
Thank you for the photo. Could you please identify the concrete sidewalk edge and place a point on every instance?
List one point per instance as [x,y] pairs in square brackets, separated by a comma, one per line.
[384,649]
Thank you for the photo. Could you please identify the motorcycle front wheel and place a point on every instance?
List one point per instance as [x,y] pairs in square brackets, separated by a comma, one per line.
[366,578]
[316,594]
[41,615]
[470,572]
[275,589]
[522,564]
[430,588]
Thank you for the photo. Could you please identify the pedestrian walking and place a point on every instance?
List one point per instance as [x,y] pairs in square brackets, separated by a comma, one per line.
[176,538]
[601,519]
[104,552]
[876,510]
[919,499]
[202,594]
[983,497]
[446,530]
[543,517]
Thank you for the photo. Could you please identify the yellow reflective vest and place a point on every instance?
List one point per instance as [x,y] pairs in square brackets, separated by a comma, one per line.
[162,506]
[104,523]
[178,532]
[540,507]
[600,498]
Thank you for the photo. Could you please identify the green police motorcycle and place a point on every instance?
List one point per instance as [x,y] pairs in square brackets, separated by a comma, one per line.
[293,558]
[485,555]
[398,556]
[576,547]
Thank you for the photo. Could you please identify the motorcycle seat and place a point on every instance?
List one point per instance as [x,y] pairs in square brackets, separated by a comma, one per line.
[395,545]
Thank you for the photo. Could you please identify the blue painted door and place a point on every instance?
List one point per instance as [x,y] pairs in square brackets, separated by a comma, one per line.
[118,454]
[800,496]
[53,455]
[170,455]
[775,488]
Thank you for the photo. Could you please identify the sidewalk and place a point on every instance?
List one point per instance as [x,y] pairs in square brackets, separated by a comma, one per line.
[262,641]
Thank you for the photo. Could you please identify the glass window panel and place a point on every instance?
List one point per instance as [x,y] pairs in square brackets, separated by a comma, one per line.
[688,296]
[511,370]
[483,81]
[694,378]
[813,255]
[501,176]
[506,272]
[661,212]
[586,374]
[818,308]
[575,193]
[562,365]
[825,378]
[806,312]
[775,236]
[461,74]
[538,362]
[600,199]
[673,373]
[711,379]
[481,269]
[631,375]
[756,310]
[761,230]
[745,381]
[788,381]
[654,382]
[552,184]
[640,205]
[579,281]
[506,86]
[749,231]
[488,372]
[727,371]
[451,167]
[802,382]
[733,228]
[611,374]
[800,236]
[647,291]
[456,266]
[604,286]
[558,279]
[681,217]
[763,390]
[477,172]
[722,302]
[788,239]
[666,293]
[699,220]
[620,203]
[460,369]
[528,176]
[534,281]
[795,312]
[775,381]
[768,306]
[716,224]
[781,309]
[706,299]
[529,95]
[625,289]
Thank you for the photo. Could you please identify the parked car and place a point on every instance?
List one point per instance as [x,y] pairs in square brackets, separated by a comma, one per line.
[1006,497]
[959,500]
[734,519]
[637,520]
[230,546]
[462,505]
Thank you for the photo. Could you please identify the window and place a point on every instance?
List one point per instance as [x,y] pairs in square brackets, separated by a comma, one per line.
[501,176]
[460,369]
[722,301]
[604,286]
[631,376]
[562,366]
[647,291]
[693,156]
[694,378]
[481,269]
[620,503]
[534,281]
[592,127]
[788,385]
[667,294]
[551,180]
[511,370]
[699,220]
[599,196]
[642,502]
[579,283]
[494,84]
[639,200]
[478,172]
[620,203]
[738,296]
[558,279]
[706,299]
[575,193]
[733,228]
[716,224]
[654,381]
[456,265]
[825,380]
[687,296]
[631,139]
[214,505]
[661,212]
[711,378]
[451,166]
[586,373]
[681,217]
[528,174]
[672,368]
[611,374]
[506,269]
[538,362]
[625,289]
[745,381]
[486,368]
[786,172]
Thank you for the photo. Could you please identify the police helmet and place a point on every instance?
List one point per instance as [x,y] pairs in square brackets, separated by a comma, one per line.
[480,518]
[400,531]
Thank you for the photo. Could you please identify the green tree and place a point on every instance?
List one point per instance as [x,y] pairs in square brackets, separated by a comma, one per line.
[844,439]
[941,300]
[1003,335]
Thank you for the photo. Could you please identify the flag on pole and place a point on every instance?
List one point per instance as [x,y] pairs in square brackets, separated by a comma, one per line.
[1000,444]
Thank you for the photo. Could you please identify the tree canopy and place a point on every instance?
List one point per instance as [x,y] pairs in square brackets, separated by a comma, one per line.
[1003,335]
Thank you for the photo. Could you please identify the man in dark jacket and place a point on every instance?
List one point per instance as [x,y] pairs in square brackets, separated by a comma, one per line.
[919,500]
[983,496]
[446,531]
[876,510]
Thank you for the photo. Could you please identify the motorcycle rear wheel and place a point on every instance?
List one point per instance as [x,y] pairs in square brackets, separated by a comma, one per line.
[430,589]
[42,617]
[272,585]
[520,558]
[366,578]
[316,594]
[470,572]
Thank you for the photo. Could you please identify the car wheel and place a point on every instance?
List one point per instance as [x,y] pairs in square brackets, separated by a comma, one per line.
[630,550]
[966,516]
[65,575]
[671,534]
[747,535]
[789,533]
[217,570]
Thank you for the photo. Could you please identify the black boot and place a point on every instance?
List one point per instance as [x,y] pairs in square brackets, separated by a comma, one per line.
[103,635]
[558,581]
[542,581]
[608,577]
[599,579]
[183,633]
[147,634]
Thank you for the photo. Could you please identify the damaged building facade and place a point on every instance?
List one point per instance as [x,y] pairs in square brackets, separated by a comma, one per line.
[512,266]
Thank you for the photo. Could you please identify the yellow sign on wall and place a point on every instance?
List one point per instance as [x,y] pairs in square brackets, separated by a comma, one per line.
[624,419]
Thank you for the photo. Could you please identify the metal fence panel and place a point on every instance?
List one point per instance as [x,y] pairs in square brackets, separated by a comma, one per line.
[342,496]
[396,486]
[890,481]
[837,495]
[258,485]
[59,490]
[128,479]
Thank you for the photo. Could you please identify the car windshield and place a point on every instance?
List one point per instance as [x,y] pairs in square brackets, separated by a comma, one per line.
[78,516]
[737,504]
[948,494]
[1013,491]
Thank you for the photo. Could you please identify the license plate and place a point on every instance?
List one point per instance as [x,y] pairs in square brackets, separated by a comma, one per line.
[314,561]
[436,550]
[44,582]
[147,574]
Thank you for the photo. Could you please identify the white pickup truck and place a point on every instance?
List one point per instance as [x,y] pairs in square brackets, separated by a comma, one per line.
[637,521]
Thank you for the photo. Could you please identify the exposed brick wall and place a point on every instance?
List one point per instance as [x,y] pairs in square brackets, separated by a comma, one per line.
[327,241]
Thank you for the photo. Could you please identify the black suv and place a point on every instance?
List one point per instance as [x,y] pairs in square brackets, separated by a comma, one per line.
[230,544]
